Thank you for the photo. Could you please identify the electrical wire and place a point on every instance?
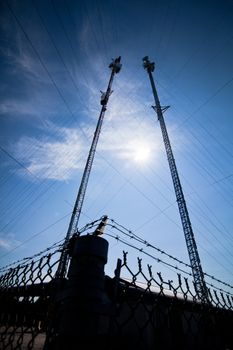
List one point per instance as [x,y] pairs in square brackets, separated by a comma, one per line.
[23,261]
[34,235]
[58,52]
[148,254]
[17,161]
[133,236]
[58,244]
[44,65]
[168,265]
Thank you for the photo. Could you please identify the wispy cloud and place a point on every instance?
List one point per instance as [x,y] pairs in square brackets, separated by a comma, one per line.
[127,131]
[128,134]
[8,242]
[23,85]
[29,79]
[53,159]
[19,56]
[60,159]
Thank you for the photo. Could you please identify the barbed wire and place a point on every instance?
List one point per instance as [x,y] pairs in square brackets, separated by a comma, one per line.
[135,237]
[26,259]
[168,265]
[130,234]
[217,288]
[53,246]
[217,280]
[118,238]
[90,225]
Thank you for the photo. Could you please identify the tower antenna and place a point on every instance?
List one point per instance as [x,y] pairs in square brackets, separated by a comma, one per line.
[115,67]
[198,275]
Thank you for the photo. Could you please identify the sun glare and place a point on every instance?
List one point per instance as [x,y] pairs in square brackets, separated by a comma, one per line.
[141,152]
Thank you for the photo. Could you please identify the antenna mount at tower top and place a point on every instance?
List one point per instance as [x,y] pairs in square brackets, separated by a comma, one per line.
[150,66]
[116,65]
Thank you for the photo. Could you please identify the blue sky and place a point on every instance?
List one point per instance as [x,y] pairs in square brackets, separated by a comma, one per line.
[54,62]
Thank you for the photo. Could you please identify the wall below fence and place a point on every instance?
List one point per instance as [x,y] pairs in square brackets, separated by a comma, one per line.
[91,310]
[151,321]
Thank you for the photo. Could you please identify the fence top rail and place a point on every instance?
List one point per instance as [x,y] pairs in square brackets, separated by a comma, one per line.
[143,279]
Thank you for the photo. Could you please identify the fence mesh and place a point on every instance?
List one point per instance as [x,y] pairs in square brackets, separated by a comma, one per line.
[146,310]
[25,293]
[154,313]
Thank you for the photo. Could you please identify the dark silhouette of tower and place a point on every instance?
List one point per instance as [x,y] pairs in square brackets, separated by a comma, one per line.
[194,258]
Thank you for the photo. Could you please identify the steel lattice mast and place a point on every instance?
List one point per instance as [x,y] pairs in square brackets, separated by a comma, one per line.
[198,275]
[115,67]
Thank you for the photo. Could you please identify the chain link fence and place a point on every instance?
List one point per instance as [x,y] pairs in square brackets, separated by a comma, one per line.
[25,297]
[153,313]
[136,308]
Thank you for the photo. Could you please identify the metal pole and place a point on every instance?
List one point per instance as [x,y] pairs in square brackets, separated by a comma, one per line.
[115,67]
[198,275]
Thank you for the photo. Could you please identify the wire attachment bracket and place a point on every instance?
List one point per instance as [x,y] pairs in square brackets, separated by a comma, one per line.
[163,109]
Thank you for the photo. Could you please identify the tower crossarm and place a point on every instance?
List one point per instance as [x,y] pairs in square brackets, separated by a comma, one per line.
[198,275]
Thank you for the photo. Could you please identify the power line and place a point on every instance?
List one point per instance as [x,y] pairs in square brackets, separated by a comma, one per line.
[222,179]
[190,115]
[228,82]
[212,234]
[132,235]
[150,255]
[35,235]
[58,52]
[139,239]
[36,52]
[18,162]
[168,265]
[101,27]
[24,260]
[26,196]
[43,64]
[63,29]
[66,35]
[54,245]
[214,159]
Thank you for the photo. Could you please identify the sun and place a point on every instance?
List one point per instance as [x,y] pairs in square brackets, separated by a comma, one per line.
[141,152]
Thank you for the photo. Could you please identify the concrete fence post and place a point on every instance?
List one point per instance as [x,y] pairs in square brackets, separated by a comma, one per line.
[84,308]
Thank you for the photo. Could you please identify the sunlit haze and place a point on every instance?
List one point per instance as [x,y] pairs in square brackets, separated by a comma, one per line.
[55,58]
[141,153]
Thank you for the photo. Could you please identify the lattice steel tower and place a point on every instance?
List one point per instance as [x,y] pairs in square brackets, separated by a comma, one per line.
[198,275]
[115,67]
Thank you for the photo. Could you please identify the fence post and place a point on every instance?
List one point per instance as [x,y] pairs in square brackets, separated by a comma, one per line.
[84,311]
